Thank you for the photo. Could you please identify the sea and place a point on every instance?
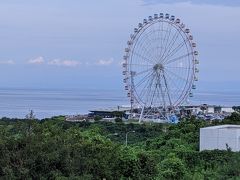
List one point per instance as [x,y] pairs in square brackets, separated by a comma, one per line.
[17,102]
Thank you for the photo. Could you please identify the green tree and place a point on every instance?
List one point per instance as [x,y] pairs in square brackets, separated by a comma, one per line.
[118,120]
[172,168]
[236,108]
[97,118]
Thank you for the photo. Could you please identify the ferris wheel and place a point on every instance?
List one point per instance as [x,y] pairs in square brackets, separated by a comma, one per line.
[160,66]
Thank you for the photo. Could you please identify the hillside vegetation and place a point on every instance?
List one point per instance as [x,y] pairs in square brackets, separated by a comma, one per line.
[56,149]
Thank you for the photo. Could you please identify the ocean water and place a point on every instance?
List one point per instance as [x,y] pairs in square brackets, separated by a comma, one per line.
[50,102]
[17,102]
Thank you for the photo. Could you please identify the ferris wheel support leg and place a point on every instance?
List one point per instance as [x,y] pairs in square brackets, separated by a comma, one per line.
[141,115]
[167,117]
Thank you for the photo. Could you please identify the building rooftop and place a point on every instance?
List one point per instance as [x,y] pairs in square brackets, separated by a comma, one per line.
[208,105]
[226,126]
[112,109]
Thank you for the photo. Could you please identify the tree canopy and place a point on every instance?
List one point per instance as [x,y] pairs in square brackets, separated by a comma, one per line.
[55,149]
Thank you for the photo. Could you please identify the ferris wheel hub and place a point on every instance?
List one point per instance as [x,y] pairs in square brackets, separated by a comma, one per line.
[158,67]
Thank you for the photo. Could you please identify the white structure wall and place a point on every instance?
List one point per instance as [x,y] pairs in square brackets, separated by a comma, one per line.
[216,137]
[210,109]
[227,109]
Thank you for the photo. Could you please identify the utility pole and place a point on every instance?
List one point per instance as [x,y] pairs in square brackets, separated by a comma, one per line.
[126,140]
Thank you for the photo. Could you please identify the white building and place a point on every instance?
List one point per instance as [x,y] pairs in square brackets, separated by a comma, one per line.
[219,137]
[227,110]
[208,109]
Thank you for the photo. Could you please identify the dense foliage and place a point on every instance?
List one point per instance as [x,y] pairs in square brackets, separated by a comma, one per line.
[56,149]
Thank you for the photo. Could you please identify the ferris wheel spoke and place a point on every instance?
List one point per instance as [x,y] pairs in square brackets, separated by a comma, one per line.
[151,95]
[166,44]
[156,48]
[159,38]
[142,65]
[176,75]
[142,72]
[180,89]
[177,67]
[167,89]
[173,41]
[146,42]
[171,44]
[150,90]
[143,57]
[149,37]
[144,79]
[162,41]
[175,94]
[174,51]
[143,91]
[172,81]
[146,51]
[178,58]
[160,52]
[167,34]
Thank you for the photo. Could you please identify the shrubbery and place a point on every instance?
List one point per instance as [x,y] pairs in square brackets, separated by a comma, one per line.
[55,149]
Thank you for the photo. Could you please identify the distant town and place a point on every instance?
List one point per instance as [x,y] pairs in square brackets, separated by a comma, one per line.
[204,112]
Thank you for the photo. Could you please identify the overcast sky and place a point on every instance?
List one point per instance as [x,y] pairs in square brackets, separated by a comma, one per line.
[72,43]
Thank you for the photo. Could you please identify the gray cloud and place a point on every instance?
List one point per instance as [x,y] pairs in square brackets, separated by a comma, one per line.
[9,62]
[67,63]
[103,62]
[56,62]
[212,2]
[38,60]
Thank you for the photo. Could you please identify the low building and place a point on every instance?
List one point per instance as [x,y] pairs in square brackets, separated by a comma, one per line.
[227,110]
[206,109]
[220,137]
[109,112]
[211,109]
[76,118]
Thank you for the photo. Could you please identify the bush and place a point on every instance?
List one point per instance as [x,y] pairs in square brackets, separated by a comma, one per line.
[118,120]
[97,118]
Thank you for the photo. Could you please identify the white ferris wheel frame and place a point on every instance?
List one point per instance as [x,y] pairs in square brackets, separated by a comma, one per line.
[136,98]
